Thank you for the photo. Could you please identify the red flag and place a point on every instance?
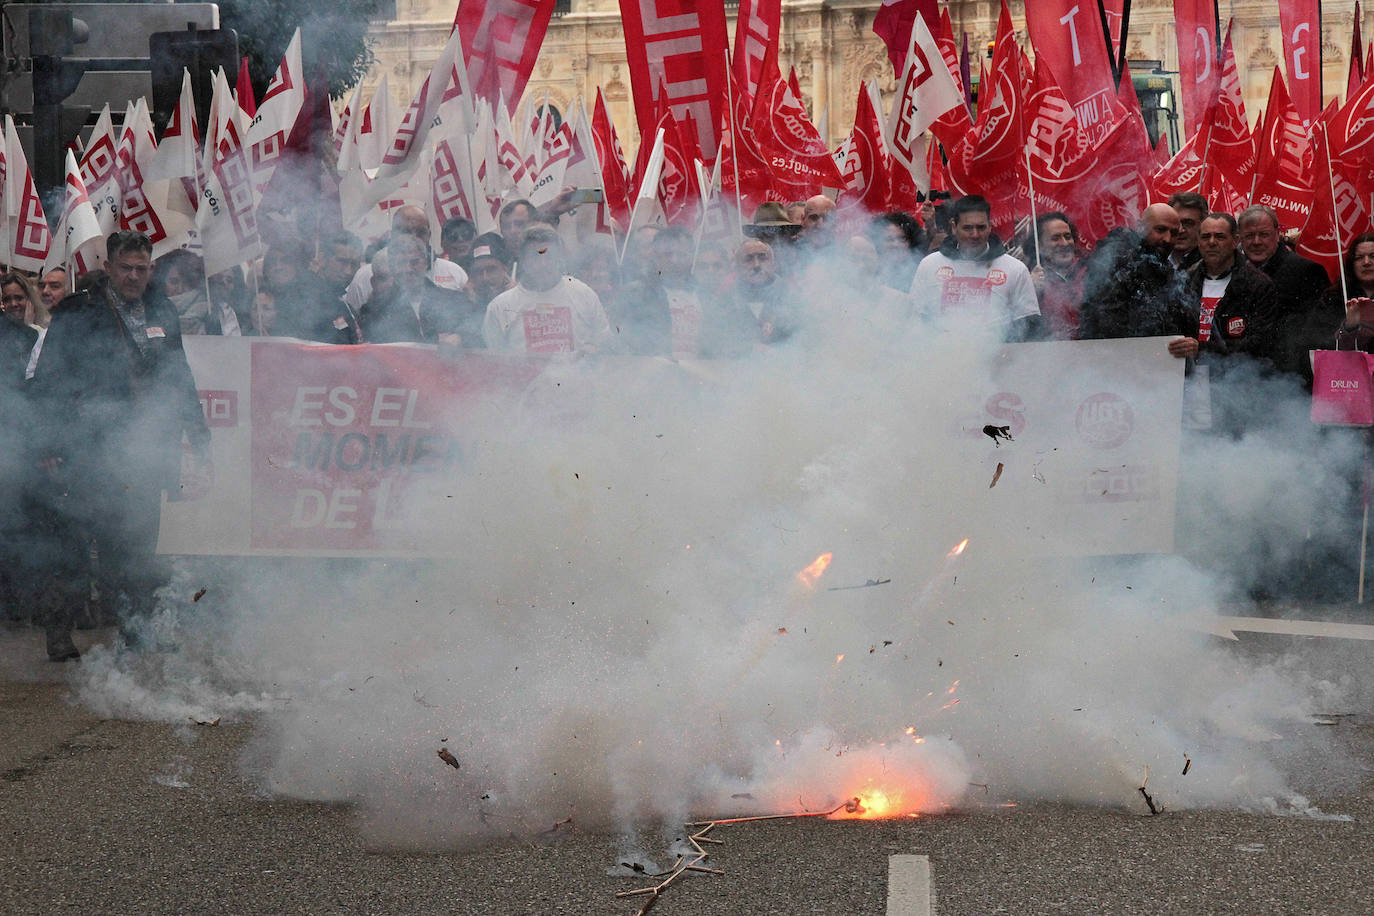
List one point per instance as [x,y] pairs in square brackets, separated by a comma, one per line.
[742,164]
[1302,55]
[862,160]
[1283,171]
[501,41]
[935,169]
[1227,141]
[1184,172]
[1351,134]
[799,159]
[757,27]
[1338,214]
[676,193]
[996,165]
[614,176]
[1357,71]
[1195,26]
[244,90]
[893,21]
[683,46]
[1067,34]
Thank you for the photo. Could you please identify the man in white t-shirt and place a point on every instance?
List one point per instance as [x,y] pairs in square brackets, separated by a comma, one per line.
[548,311]
[408,220]
[972,277]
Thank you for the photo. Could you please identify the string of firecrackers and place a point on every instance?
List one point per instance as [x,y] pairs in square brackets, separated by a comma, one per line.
[698,836]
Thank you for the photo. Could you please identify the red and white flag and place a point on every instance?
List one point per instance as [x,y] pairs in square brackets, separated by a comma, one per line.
[269,127]
[615,176]
[77,226]
[1300,21]
[756,29]
[800,160]
[683,47]
[953,125]
[403,155]
[862,158]
[179,150]
[1227,141]
[745,176]
[1338,212]
[227,220]
[1351,134]
[153,207]
[926,92]
[99,168]
[29,238]
[501,41]
[1283,172]
[1195,26]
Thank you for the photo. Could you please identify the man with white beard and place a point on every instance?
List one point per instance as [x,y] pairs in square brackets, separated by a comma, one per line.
[972,277]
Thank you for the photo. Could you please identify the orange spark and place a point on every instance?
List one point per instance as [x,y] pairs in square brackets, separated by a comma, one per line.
[839,658]
[958,548]
[812,574]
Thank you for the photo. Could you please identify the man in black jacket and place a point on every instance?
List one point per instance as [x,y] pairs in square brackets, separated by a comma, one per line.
[1132,290]
[16,345]
[1298,283]
[405,305]
[1239,309]
[118,399]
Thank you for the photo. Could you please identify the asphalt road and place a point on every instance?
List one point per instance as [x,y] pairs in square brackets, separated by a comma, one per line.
[108,816]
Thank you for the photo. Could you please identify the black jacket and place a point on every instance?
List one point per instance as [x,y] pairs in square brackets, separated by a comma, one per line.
[105,403]
[1247,317]
[1298,281]
[392,318]
[1132,290]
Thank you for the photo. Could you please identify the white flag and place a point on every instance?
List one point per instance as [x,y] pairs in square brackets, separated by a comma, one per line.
[925,93]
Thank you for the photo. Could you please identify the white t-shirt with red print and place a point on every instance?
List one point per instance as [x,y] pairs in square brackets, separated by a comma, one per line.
[565,319]
[993,292]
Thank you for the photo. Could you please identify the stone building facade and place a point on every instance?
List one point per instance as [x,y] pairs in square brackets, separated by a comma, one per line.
[832,45]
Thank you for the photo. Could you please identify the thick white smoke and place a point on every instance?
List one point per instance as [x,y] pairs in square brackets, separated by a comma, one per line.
[619,633]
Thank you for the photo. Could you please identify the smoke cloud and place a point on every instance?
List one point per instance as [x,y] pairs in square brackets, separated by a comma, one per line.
[619,633]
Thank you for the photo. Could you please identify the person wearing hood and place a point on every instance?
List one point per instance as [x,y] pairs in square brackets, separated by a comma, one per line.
[972,276]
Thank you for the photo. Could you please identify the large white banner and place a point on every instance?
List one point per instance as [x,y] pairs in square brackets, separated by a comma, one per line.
[1058,449]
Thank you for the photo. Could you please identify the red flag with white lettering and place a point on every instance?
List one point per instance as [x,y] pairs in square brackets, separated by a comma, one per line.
[501,41]
[1067,34]
[1302,55]
[1351,134]
[799,158]
[756,29]
[1228,143]
[893,23]
[862,160]
[1195,26]
[683,46]
[926,93]
[742,164]
[996,165]
[1283,172]
[1338,214]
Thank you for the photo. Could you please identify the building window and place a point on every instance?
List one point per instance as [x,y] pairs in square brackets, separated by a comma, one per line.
[385,11]
[562,7]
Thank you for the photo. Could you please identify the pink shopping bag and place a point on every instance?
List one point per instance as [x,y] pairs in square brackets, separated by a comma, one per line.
[1341,388]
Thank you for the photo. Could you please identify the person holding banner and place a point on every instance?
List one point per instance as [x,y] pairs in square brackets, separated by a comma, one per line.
[973,276]
[406,306]
[118,400]
[547,311]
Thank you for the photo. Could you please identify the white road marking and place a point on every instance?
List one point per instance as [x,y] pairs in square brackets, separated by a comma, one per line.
[909,892]
[1226,627]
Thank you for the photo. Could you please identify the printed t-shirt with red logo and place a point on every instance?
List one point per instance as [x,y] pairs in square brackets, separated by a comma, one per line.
[1212,291]
[685,309]
[993,292]
[563,319]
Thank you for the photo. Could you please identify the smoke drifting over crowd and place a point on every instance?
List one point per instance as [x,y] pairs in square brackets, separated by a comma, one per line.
[619,632]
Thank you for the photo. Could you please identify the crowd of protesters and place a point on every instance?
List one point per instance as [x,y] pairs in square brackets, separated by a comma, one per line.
[99,358]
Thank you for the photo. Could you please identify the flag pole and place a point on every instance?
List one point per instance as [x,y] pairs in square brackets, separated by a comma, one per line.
[1336,230]
[734,143]
[1035,228]
[600,175]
